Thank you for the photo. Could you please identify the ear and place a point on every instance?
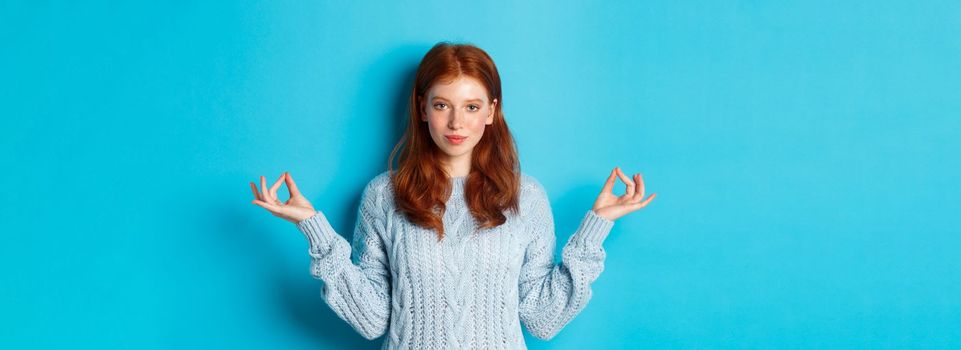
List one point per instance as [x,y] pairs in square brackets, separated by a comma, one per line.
[490,118]
[423,110]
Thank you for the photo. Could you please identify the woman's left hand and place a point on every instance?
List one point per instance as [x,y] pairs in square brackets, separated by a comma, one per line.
[612,207]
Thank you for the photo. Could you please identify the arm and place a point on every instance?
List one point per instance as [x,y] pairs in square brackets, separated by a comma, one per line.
[356,280]
[552,294]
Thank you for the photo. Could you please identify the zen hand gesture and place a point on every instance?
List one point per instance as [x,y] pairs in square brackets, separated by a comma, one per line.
[295,210]
[612,207]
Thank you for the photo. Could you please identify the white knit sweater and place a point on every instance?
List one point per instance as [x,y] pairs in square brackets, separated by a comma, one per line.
[471,290]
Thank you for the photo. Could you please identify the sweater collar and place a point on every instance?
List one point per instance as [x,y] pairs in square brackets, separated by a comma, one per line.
[457,184]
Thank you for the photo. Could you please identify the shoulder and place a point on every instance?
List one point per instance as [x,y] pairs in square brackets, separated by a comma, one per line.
[531,189]
[530,183]
[535,206]
[380,181]
[379,188]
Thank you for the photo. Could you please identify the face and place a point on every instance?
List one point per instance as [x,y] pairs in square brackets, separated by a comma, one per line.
[457,108]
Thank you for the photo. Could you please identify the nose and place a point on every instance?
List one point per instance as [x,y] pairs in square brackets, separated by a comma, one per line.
[455,119]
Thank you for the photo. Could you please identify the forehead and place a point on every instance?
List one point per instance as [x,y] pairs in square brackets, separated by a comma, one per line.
[461,88]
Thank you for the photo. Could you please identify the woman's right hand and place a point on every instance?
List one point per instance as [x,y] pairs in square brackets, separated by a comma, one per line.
[295,210]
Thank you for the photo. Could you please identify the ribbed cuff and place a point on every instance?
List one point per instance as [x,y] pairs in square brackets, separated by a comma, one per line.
[318,232]
[593,230]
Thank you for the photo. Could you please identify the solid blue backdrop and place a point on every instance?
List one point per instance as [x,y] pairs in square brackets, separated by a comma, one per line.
[805,156]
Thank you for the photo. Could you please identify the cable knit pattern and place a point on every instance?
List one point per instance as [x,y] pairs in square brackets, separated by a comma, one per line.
[473,289]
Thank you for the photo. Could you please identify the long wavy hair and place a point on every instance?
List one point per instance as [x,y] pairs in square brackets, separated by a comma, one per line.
[421,186]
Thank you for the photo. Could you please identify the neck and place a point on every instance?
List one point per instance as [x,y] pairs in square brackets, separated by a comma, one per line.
[458,167]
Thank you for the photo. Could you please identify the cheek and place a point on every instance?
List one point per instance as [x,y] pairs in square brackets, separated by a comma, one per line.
[478,126]
[434,122]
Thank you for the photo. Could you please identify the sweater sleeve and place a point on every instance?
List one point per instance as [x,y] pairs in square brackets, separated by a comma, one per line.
[552,294]
[356,275]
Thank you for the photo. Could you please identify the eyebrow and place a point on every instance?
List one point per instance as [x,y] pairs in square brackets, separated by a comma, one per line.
[470,100]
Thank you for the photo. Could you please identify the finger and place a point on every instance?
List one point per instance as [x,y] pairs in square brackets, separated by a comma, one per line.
[634,207]
[609,184]
[276,185]
[254,188]
[270,207]
[291,186]
[628,182]
[642,204]
[639,192]
[263,189]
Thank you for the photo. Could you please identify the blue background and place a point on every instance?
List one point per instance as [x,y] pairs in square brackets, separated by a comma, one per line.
[805,157]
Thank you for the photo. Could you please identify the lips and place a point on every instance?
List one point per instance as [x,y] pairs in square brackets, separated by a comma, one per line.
[455,139]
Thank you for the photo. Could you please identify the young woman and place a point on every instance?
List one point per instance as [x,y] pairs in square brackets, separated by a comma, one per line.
[455,248]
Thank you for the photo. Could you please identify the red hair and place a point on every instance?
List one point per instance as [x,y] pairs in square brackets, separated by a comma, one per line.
[421,186]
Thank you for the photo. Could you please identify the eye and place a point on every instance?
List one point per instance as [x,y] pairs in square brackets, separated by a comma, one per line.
[476,107]
[439,105]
